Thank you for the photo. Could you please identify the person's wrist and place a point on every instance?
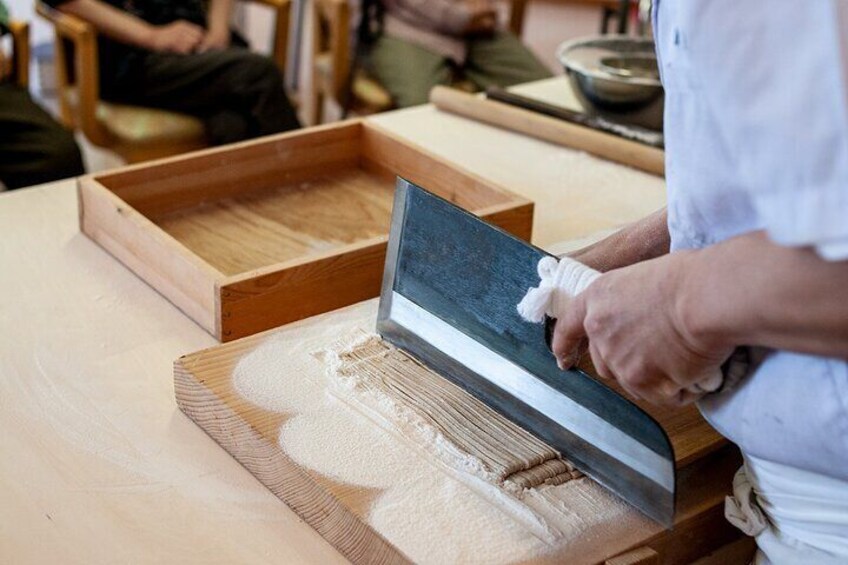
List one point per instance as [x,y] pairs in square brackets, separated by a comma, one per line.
[218,29]
[700,302]
[149,38]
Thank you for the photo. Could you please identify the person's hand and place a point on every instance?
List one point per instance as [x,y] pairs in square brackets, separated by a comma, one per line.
[180,37]
[214,40]
[484,18]
[635,321]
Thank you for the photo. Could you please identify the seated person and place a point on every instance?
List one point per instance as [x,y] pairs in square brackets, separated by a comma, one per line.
[423,43]
[34,148]
[180,56]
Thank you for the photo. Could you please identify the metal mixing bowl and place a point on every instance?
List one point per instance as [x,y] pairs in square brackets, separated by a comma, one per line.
[616,77]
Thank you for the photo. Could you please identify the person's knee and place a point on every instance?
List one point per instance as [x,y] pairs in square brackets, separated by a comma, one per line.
[410,95]
[226,127]
[61,155]
[259,70]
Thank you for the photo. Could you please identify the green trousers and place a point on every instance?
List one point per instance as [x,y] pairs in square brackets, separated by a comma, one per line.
[34,148]
[408,71]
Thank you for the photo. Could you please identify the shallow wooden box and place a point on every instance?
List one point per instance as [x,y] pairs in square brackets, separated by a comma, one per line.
[256,235]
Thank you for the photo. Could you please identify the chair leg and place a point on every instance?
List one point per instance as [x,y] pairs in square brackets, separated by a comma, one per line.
[317,110]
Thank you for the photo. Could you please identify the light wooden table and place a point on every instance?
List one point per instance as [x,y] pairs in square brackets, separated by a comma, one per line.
[97,464]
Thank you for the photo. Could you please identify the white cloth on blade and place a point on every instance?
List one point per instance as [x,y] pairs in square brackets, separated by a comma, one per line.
[796,515]
[560,282]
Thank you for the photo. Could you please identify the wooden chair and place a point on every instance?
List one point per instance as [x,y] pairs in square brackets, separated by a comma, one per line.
[332,60]
[16,66]
[133,132]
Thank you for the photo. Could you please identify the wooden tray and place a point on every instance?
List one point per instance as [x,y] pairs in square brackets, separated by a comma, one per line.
[252,236]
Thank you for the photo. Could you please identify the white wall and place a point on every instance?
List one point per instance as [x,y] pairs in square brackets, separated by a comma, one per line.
[548,23]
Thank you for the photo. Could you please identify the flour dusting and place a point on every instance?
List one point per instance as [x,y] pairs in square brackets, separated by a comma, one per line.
[430,512]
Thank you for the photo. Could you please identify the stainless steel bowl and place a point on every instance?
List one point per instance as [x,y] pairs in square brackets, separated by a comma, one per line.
[616,77]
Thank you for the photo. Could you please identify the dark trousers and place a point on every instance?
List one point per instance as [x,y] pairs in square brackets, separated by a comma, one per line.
[409,71]
[237,93]
[34,148]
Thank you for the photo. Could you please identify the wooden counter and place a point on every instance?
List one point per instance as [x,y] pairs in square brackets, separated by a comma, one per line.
[99,465]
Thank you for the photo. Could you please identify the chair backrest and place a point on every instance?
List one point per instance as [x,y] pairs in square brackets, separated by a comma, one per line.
[332,38]
[517,10]
[282,17]
[77,72]
[15,66]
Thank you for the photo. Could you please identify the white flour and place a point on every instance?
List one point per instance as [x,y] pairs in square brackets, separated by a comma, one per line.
[431,514]
[75,410]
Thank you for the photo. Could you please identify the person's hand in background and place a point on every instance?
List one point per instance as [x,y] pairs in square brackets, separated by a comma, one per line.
[179,37]
[214,40]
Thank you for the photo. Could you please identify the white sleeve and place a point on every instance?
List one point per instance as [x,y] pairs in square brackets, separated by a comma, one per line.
[780,85]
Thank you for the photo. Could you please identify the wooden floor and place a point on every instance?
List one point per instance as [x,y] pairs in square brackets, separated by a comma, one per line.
[259,229]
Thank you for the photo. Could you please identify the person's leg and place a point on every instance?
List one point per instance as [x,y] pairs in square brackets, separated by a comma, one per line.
[502,61]
[238,94]
[406,70]
[34,148]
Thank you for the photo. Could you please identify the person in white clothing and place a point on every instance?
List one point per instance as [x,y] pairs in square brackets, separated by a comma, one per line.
[756,125]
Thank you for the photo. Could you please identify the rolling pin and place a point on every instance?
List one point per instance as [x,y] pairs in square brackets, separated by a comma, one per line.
[553,130]
[631,132]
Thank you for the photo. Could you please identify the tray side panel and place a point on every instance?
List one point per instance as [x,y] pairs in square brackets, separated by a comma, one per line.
[147,251]
[250,304]
[253,303]
[251,166]
[384,151]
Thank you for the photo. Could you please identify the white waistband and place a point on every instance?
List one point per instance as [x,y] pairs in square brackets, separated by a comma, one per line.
[806,506]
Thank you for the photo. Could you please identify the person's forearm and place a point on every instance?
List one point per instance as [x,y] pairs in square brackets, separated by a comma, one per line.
[642,240]
[220,13]
[112,22]
[750,291]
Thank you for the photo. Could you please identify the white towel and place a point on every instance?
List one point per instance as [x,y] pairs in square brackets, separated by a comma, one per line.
[560,282]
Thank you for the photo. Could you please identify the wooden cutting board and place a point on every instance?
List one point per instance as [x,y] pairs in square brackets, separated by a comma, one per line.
[265,400]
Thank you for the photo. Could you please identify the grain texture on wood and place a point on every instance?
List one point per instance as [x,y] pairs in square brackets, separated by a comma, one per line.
[210,386]
[251,231]
[604,145]
[381,151]
[264,299]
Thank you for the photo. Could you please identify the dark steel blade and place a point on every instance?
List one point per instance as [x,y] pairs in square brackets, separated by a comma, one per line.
[450,289]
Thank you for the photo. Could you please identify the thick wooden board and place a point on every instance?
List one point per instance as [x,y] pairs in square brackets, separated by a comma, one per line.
[210,388]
